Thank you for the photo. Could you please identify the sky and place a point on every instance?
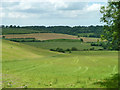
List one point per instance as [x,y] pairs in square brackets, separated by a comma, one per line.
[51,12]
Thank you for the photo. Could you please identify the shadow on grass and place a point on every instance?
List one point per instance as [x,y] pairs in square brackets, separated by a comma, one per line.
[111,82]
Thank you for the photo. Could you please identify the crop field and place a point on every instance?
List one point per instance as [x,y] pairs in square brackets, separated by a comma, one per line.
[26,66]
[49,36]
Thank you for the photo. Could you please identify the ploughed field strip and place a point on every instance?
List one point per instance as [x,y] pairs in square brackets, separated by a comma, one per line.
[49,36]
[27,66]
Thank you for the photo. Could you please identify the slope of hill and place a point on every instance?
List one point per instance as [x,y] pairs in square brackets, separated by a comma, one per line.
[25,66]
[18,51]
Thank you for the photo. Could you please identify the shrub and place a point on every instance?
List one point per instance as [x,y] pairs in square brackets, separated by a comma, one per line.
[92,48]
[68,49]
[58,50]
[3,37]
[81,40]
[52,50]
[74,49]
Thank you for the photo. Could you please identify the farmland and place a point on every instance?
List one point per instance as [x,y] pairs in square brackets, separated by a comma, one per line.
[31,59]
[41,68]
[60,45]
[49,36]
[63,45]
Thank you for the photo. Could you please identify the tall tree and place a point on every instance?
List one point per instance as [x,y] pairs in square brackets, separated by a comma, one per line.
[111,16]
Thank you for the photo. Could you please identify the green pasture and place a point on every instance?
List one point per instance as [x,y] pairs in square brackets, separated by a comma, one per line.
[64,45]
[26,66]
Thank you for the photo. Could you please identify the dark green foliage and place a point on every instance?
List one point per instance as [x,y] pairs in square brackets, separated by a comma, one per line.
[68,49]
[3,37]
[96,44]
[17,31]
[111,82]
[23,40]
[106,45]
[92,48]
[74,49]
[76,30]
[78,36]
[111,16]
[52,50]
[81,40]
[85,49]
[64,40]
[58,50]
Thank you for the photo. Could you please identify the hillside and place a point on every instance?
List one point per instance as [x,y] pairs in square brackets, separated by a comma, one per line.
[31,67]
[18,51]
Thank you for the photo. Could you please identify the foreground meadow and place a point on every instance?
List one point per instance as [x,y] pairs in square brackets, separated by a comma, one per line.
[26,66]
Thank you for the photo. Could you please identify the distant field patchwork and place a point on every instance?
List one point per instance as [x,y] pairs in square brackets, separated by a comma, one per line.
[48,36]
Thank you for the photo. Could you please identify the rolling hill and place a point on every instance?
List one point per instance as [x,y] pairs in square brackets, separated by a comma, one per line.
[24,66]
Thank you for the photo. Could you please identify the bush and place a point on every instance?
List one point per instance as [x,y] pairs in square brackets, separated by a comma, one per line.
[92,48]
[58,50]
[85,49]
[74,49]
[52,50]
[68,49]
[81,40]
[3,37]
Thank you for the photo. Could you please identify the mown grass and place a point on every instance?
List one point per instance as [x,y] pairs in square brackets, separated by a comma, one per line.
[25,66]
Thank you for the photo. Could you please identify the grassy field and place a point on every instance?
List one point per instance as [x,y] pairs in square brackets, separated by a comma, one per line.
[50,36]
[26,66]
[63,45]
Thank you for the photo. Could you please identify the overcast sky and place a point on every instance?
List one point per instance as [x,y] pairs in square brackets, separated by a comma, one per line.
[51,12]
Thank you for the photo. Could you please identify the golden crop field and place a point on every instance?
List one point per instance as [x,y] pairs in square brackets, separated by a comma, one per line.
[48,36]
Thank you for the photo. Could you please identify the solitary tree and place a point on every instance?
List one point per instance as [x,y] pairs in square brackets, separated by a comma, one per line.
[11,26]
[111,16]
[81,40]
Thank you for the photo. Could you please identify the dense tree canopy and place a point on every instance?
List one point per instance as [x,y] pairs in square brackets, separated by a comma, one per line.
[81,31]
[111,16]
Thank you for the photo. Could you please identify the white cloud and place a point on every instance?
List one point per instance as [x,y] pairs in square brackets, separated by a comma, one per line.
[49,9]
[52,9]
[94,7]
[16,15]
[2,14]
[58,4]
[54,0]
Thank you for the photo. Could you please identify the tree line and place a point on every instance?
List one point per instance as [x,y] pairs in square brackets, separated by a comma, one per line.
[96,30]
